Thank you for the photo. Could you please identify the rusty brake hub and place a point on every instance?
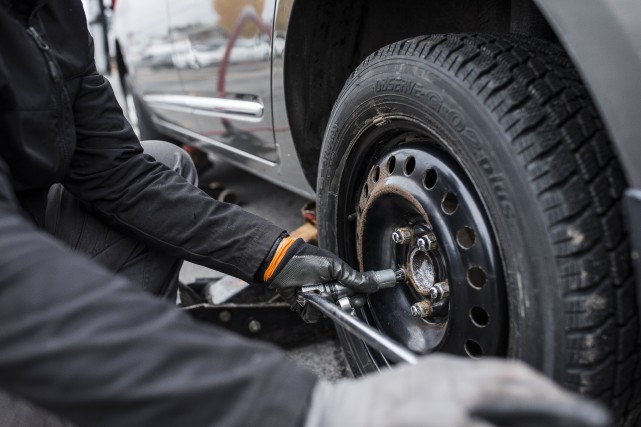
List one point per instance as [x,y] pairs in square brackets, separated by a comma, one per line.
[417,210]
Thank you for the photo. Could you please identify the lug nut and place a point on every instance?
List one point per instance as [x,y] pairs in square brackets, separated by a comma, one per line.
[440,290]
[421,309]
[402,235]
[427,242]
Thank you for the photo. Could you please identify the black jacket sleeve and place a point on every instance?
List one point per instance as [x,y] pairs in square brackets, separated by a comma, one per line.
[109,172]
[89,345]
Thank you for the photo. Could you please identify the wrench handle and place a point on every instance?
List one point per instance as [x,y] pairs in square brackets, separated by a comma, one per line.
[352,325]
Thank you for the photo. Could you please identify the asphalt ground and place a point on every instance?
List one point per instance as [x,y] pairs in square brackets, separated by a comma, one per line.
[324,356]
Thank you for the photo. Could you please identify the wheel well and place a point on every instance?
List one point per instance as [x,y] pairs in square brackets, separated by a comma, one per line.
[327,39]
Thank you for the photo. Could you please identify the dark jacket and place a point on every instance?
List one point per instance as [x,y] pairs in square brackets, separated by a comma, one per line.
[62,123]
[65,337]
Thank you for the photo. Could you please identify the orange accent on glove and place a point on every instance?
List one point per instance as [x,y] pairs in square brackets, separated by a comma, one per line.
[278,257]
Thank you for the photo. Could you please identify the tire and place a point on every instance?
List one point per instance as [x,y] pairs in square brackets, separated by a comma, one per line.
[138,114]
[511,117]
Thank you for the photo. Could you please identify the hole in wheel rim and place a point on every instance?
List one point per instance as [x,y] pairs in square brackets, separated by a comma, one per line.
[375,174]
[479,316]
[410,164]
[476,277]
[391,164]
[465,237]
[449,204]
[473,349]
[365,190]
[429,180]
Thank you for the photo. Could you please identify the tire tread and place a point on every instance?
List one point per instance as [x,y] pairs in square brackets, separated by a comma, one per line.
[538,98]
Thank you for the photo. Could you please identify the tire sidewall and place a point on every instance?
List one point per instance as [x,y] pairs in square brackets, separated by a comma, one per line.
[402,86]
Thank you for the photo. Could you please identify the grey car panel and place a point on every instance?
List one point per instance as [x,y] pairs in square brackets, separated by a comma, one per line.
[175,54]
[222,50]
[604,40]
[246,119]
[142,31]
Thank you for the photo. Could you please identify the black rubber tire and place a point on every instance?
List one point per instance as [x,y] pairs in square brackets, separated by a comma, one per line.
[513,111]
[144,126]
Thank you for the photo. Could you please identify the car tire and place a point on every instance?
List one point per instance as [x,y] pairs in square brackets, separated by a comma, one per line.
[523,149]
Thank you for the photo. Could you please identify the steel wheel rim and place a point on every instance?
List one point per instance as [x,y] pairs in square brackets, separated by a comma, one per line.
[476,324]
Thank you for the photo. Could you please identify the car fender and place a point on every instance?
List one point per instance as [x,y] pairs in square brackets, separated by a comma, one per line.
[603,38]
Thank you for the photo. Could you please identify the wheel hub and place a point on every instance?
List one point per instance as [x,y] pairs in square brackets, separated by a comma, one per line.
[422,272]
[419,211]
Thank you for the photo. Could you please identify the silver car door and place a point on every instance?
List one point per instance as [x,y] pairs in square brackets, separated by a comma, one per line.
[222,51]
[143,35]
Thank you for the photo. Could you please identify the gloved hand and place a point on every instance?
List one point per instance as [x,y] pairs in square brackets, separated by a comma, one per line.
[296,263]
[448,391]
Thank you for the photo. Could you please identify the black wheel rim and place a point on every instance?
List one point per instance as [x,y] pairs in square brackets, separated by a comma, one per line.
[414,181]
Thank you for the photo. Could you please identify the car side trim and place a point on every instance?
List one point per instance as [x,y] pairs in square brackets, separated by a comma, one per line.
[237,109]
[220,145]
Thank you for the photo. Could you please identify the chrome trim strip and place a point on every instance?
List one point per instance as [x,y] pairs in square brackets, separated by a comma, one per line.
[213,142]
[237,109]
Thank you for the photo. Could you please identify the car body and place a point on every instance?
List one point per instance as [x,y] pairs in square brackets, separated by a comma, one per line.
[175,50]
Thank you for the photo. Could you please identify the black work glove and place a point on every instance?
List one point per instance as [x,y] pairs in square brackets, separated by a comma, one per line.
[296,263]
